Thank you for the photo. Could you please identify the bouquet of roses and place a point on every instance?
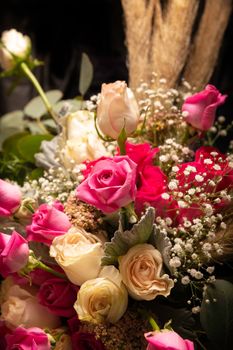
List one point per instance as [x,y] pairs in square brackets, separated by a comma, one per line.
[118,234]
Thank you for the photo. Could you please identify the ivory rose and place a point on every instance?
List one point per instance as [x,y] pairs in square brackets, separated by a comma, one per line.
[28,339]
[201,107]
[14,253]
[48,222]
[79,255]
[10,198]
[13,43]
[103,299]
[117,109]
[20,307]
[141,273]
[80,139]
[110,185]
[167,340]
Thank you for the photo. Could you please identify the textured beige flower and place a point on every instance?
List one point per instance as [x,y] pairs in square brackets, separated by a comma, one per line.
[80,141]
[13,43]
[141,269]
[103,299]
[79,254]
[117,108]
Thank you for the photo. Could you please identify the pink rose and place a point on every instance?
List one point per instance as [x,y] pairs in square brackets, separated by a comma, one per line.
[48,222]
[110,184]
[27,339]
[14,253]
[10,198]
[201,107]
[58,296]
[165,340]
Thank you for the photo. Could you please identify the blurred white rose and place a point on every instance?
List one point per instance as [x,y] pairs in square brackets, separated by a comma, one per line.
[103,299]
[79,254]
[21,308]
[140,269]
[13,43]
[80,141]
[117,108]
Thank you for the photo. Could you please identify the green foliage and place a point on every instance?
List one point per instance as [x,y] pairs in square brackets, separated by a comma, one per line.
[124,240]
[30,144]
[86,74]
[217,314]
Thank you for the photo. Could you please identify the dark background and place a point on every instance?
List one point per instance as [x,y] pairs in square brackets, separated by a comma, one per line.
[62,30]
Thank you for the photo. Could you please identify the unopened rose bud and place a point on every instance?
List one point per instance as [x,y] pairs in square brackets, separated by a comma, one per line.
[26,210]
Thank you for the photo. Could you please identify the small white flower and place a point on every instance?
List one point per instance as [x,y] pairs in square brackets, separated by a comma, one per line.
[216,167]
[185,280]
[165,195]
[175,262]
[199,178]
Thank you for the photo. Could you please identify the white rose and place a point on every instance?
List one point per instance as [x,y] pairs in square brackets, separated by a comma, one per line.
[13,43]
[117,108]
[140,269]
[80,141]
[103,299]
[79,254]
[21,308]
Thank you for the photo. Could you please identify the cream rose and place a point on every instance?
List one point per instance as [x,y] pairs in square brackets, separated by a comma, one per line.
[21,308]
[103,299]
[141,269]
[79,254]
[80,141]
[13,43]
[117,108]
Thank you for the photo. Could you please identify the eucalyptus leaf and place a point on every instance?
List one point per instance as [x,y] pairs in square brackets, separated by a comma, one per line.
[124,240]
[36,108]
[65,107]
[10,124]
[9,146]
[30,144]
[86,74]
[217,315]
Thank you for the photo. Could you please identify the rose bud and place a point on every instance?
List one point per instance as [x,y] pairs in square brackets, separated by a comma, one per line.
[167,340]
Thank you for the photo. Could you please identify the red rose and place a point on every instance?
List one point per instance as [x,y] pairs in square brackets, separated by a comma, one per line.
[84,341]
[58,296]
[25,339]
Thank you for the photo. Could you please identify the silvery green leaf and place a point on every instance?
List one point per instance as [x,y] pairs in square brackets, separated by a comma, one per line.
[65,107]
[124,240]
[46,158]
[163,244]
[86,74]
[10,124]
[36,108]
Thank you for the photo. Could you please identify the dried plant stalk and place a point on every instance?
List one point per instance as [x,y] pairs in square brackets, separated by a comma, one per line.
[161,39]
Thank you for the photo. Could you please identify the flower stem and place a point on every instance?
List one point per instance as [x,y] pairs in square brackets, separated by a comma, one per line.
[46,268]
[26,70]
[121,142]
[153,324]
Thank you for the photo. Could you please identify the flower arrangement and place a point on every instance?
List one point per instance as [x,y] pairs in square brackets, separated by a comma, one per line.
[118,234]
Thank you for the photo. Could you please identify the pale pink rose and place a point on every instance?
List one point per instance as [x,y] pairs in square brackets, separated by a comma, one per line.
[110,184]
[48,222]
[28,339]
[201,107]
[10,198]
[167,340]
[117,109]
[14,253]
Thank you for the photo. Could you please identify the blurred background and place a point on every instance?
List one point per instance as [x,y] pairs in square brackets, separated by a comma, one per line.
[60,31]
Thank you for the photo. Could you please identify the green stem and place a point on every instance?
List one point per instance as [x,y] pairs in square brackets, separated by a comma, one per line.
[46,268]
[26,70]
[153,324]
[121,142]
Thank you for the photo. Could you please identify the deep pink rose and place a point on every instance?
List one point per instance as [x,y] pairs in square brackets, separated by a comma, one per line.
[48,222]
[14,253]
[58,296]
[10,198]
[201,107]
[165,340]
[84,341]
[110,184]
[27,339]
[216,165]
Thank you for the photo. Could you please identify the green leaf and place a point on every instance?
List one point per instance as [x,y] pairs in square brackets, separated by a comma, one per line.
[36,108]
[30,144]
[10,124]
[36,174]
[86,74]
[217,315]
[124,240]
[9,146]
[69,106]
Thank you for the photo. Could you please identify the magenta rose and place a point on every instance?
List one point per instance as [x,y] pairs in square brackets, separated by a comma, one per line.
[48,222]
[10,198]
[58,296]
[27,339]
[165,340]
[110,185]
[14,253]
[84,341]
[201,107]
